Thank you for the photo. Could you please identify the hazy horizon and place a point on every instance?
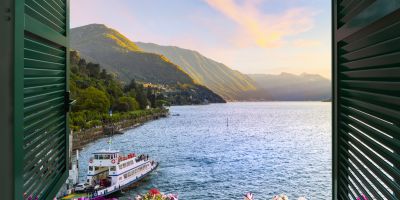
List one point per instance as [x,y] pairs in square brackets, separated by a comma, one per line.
[253,37]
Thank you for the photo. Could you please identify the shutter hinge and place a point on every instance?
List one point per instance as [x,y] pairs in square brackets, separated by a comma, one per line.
[68,102]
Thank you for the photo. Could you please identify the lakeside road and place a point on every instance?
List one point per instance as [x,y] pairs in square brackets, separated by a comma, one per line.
[84,137]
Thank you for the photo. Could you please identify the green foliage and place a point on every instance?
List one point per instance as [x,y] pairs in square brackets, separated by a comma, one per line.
[141,97]
[97,91]
[126,104]
[92,99]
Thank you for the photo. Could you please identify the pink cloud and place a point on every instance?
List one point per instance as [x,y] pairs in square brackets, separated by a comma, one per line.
[261,29]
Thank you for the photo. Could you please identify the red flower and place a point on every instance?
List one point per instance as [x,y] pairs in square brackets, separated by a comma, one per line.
[154,192]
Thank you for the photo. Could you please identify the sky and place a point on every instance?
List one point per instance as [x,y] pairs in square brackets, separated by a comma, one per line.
[251,36]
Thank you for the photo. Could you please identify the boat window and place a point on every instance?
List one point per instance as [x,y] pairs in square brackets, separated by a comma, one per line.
[96,156]
[90,168]
[113,168]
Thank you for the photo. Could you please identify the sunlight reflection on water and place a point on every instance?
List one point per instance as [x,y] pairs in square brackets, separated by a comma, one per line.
[268,148]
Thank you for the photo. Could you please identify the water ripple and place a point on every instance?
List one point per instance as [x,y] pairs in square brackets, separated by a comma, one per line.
[268,148]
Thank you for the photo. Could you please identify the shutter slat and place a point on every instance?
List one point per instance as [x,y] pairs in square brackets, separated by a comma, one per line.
[31,44]
[354,9]
[377,61]
[366,85]
[382,35]
[37,81]
[373,74]
[33,72]
[42,89]
[40,64]
[29,100]
[379,111]
[388,46]
[371,97]
[37,55]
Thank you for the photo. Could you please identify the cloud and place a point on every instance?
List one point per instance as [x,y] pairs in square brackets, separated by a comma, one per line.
[261,29]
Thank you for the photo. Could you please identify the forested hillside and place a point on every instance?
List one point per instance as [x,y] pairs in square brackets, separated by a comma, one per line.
[230,84]
[98,92]
[116,53]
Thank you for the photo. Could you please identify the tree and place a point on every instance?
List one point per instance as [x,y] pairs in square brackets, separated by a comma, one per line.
[141,97]
[93,70]
[126,104]
[151,97]
[103,74]
[131,86]
[92,99]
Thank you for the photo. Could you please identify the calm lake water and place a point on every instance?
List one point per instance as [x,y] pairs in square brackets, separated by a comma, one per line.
[267,148]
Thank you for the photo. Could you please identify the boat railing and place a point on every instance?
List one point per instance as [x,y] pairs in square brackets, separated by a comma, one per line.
[123,158]
[142,157]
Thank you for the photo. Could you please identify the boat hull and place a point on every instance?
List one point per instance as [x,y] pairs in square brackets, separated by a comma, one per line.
[94,196]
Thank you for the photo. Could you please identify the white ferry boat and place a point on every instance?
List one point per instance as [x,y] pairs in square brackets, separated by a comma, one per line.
[109,171]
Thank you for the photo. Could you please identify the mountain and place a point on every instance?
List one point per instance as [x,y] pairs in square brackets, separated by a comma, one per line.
[99,44]
[230,84]
[290,87]
[103,45]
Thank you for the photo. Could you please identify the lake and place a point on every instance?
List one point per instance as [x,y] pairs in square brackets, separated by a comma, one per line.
[222,151]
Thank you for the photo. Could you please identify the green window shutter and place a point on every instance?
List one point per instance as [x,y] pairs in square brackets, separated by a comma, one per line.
[41,59]
[366,108]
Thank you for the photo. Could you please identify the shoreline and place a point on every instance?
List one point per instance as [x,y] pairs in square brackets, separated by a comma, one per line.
[84,137]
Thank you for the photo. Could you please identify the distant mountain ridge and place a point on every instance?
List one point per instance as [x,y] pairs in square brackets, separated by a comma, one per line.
[99,44]
[291,87]
[158,64]
[230,84]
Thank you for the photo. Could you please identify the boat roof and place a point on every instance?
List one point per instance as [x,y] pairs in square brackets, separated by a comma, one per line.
[106,151]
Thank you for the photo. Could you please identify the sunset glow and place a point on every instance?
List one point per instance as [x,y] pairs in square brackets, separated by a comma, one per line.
[252,36]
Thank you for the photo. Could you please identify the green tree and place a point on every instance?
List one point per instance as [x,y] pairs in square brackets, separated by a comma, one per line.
[93,70]
[131,86]
[141,97]
[92,99]
[126,104]
[151,97]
